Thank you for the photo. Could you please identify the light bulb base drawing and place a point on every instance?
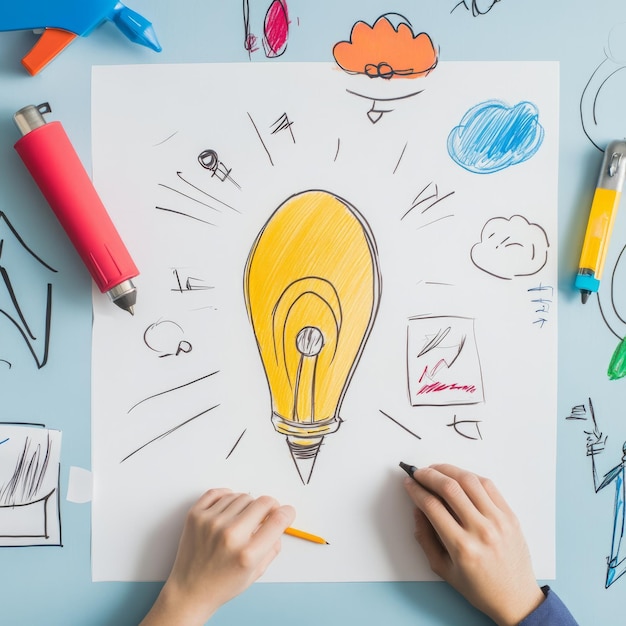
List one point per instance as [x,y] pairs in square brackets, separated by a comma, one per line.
[305,430]
[304,454]
[304,441]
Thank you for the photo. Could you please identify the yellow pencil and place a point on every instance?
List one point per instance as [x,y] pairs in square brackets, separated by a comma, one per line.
[294,532]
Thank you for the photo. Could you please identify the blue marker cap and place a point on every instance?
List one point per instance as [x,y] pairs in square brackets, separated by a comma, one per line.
[135,26]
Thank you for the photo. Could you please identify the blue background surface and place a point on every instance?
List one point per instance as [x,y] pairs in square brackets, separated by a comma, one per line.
[52,585]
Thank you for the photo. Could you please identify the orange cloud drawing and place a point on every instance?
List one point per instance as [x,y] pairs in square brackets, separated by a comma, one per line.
[385,51]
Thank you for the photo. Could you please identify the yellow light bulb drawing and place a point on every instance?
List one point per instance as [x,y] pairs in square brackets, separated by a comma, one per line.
[312,288]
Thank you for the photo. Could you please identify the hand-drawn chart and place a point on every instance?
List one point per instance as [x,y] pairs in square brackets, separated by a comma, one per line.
[29,486]
[442,362]
[335,315]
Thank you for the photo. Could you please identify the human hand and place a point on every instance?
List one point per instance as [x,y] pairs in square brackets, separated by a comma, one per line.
[473,540]
[228,541]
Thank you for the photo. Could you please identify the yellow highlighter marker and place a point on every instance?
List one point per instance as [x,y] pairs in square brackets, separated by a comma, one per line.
[601,219]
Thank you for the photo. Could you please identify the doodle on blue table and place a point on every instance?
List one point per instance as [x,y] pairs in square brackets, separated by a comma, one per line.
[596,445]
[601,111]
[493,136]
[29,485]
[25,292]
[610,301]
[274,24]
[477,7]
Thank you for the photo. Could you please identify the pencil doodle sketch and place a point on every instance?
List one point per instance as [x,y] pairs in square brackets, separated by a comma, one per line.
[542,300]
[468,429]
[511,247]
[210,160]
[311,322]
[600,109]
[477,7]
[388,50]
[442,361]
[275,27]
[29,486]
[596,445]
[167,338]
[492,136]
[186,283]
[25,304]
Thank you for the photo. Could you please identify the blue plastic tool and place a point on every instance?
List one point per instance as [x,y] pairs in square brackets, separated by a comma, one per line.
[64,20]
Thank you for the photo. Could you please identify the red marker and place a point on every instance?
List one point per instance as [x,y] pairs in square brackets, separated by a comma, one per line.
[53,163]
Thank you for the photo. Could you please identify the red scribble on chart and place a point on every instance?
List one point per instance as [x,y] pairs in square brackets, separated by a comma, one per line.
[276,29]
[436,386]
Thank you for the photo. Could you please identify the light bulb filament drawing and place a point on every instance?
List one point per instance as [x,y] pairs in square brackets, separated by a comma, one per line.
[312,287]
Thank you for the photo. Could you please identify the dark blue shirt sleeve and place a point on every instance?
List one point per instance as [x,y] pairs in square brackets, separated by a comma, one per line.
[551,612]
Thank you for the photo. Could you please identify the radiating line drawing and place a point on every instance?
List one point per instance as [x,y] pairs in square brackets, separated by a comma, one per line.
[166,338]
[395,169]
[236,443]
[492,136]
[168,432]
[275,27]
[511,247]
[443,364]
[183,214]
[600,110]
[477,7]
[29,486]
[258,134]
[427,198]
[185,195]
[390,49]
[312,320]
[177,388]
[398,423]
[160,143]
[596,445]
[27,306]
[190,198]
[205,193]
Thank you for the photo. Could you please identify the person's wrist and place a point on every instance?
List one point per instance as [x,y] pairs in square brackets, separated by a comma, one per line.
[527,602]
[181,609]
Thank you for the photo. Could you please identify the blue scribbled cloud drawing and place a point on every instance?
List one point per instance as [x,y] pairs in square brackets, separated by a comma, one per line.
[493,136]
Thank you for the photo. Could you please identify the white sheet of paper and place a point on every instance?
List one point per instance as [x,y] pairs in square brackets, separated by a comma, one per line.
[191,161]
